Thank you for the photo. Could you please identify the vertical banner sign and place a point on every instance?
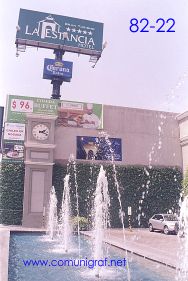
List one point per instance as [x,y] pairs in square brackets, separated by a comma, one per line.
[13,144]
[1,124]
[99,148]
[46,30]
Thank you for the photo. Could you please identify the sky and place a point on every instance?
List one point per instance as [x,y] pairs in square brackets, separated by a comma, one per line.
[142,69]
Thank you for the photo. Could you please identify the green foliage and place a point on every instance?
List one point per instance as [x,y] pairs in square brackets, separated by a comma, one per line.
[83,223]
[147,191]
[185,184]
[11,193]
[58,176]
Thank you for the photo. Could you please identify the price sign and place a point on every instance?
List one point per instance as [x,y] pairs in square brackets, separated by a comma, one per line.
[19,105]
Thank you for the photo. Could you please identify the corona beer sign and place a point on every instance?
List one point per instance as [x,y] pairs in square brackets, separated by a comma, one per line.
[56,68]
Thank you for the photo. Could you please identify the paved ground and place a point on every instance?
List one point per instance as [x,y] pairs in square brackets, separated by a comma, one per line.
[153,245]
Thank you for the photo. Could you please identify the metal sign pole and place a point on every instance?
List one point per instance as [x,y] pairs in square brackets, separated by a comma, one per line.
[130,227]
[129,217]
[57,82]
[43,217]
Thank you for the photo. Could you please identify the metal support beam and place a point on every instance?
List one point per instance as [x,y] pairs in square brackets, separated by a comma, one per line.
[57,82]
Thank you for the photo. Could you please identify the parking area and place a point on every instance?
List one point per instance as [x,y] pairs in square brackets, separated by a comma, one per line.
[152,245]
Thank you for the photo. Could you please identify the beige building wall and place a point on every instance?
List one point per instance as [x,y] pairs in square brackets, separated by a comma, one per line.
[183,125]
[148,137]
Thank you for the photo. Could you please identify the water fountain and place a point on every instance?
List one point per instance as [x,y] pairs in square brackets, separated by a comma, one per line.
[121,213]
[65,230]
[182,271]
[101,224]
[101,216]
[52,222]
[73,164]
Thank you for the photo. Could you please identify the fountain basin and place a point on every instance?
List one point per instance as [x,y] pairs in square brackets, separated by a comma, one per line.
[27,246]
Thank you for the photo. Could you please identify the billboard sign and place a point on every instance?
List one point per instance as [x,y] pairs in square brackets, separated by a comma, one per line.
[94,148]
[56,68]
[18,106]
[69,113]
[51,31]
[80,115]
[14,131]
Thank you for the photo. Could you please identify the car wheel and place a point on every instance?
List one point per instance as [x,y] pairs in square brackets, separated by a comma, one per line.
[166,230]
[151,227]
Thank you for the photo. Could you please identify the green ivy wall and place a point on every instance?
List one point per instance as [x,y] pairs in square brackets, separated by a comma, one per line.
[11,193]
[147,191]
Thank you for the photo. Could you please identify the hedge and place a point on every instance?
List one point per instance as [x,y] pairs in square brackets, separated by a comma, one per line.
[11,193]
[185,184]
[156,192]
[147,191]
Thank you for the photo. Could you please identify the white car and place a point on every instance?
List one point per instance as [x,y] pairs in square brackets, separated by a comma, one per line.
[164,222]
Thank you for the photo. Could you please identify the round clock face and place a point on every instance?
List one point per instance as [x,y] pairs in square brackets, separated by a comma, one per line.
[40,132]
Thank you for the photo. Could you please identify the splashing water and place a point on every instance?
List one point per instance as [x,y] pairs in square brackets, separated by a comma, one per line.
[174,93]
[121,213]
[101,216]
[52,222]
[73,163]
[182,271]
[152,158]
[65,230]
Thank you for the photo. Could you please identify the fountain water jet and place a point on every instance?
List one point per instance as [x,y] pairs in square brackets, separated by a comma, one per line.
[72,161]
[101,215]
[121,213]
[52,223]
[65,229]
[182,272]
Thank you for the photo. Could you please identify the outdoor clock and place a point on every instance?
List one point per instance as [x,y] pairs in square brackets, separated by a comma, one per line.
[40,132]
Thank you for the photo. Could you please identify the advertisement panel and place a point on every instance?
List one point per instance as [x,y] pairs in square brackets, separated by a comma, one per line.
[14,131]
[51,31]
[13,151]
[57,68]
[18,106]
[81,115]
[70,113]
[94,148]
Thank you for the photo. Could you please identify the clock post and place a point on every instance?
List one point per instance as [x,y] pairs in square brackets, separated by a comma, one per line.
[39,150]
